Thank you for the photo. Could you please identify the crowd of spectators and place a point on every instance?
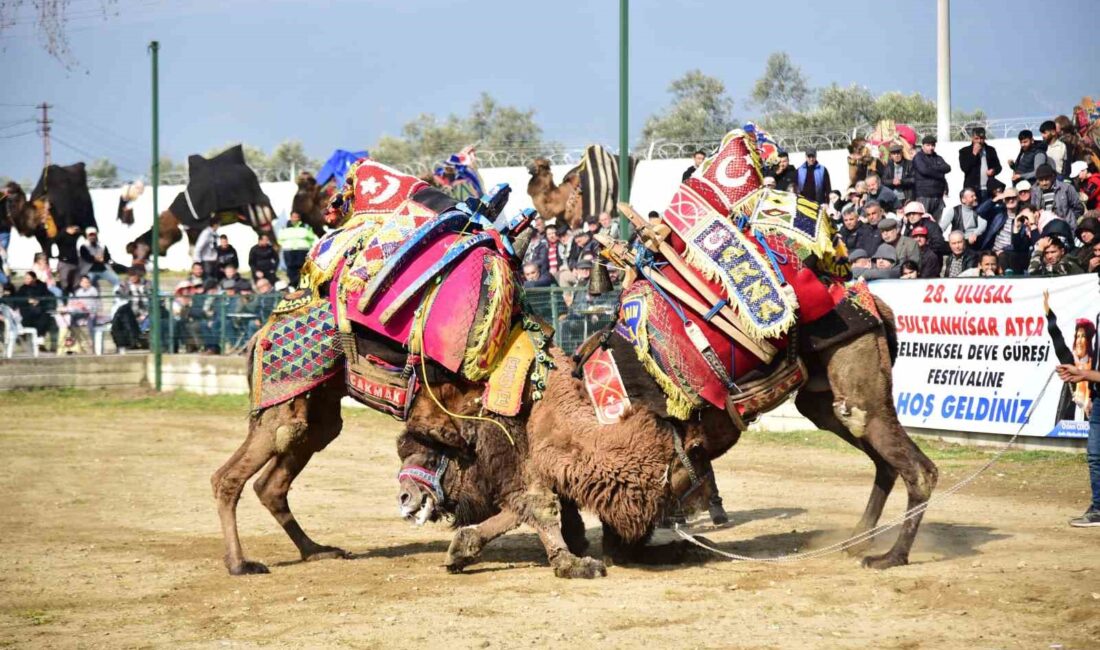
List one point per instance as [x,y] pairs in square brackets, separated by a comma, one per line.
[1039,217]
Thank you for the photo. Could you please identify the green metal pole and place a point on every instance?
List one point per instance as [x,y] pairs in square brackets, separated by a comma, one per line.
[154,47]
[624,102]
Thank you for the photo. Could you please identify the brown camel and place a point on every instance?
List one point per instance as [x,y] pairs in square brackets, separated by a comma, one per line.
[554,201]
[627,473]
[310,202]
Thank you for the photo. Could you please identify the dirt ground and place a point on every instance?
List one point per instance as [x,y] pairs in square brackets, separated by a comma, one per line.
[111,540]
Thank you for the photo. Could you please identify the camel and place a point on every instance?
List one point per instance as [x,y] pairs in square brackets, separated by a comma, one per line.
[310,202]
[554,201]
[59,200]
[561,451]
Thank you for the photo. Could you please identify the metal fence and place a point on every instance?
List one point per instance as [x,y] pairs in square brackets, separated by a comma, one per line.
[218,323]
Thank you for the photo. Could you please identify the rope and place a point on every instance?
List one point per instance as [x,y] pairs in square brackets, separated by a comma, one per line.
[415,340]
[881,528]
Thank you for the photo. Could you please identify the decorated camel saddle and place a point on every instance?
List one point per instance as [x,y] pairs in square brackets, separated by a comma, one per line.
[413,267]
[729,282]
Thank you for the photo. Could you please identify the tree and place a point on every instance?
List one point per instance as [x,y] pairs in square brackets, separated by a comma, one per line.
[496,127]
[103,171]
[51,20]
[254,157]
[782,88]
[290,154]
[700,109]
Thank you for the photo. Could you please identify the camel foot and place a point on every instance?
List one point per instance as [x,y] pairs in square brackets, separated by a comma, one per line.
[885,561]
[325,553]
[248,567]
[718,515]
[465,550]
[571,566]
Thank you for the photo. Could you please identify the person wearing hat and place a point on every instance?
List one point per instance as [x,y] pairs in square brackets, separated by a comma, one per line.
[1057,196]
[914,216]
[1087,183]
[905,249]
[980,165]
[95,259]
[930,265]
[1028,160]
[1050,259]
[812,179]
[930,177]
[859,259]
[1000,214]
[898,174]
[1088,233]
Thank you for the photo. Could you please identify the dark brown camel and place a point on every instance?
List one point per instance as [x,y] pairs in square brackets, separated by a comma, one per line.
[628,474]
[554,201]
[310,202]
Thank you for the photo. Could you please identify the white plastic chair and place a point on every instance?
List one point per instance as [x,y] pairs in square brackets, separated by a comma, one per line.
[14,330]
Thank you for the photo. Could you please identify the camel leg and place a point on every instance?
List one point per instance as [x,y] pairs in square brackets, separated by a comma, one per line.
[865,405]
[818,408]
[257,449]
[572,527]
[540,511]
[469,541]
[274,484]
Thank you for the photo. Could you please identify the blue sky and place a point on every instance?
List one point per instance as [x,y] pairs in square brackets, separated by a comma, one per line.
[340,74]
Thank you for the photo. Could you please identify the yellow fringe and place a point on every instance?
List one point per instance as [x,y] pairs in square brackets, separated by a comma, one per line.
[477,361]
[415,345]
[677,402]
[712,272]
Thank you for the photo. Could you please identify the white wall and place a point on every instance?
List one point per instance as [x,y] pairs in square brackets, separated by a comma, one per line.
[654,184]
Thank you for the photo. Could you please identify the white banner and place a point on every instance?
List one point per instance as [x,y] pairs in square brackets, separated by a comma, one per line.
[974,353]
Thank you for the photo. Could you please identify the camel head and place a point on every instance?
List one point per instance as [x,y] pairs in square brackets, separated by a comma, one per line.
[538,167]
[26,216]
[420,496]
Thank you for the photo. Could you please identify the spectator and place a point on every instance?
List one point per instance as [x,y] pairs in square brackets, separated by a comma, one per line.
[785,176]
[226,255]
[583,244]
[538,253]
[860,261]
[1023,188]
[1028,160]
[915,216]
[1057,196]
[855,233]
[697,161]
[85,305]
[989,265]
[1088,233]
[961,257]
[263,259]
[41,268]
[1055,149]
[557,252]
[608,226]
[1024,235]
[930,177]
[534,277]
[898,174]
[980,165]
[905,249]
[233,280]
[259,306]
[873,212]
[1092,263]
[296,239]
[206,250]
[884,196]
[769,182]
[909,270]
[35,304]
[812,180]
[965,217]
[886,263]
[197,275]
[1049,258]
[1088,184]
[1000,214]
[68,258]
[930,265]
[95,260]
[5,272]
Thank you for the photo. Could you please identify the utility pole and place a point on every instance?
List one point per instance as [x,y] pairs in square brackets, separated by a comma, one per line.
[44,130]
[943,71]
[624,108]
[155,336]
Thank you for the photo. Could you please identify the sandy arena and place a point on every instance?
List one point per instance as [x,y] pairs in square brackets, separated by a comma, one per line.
[111,540]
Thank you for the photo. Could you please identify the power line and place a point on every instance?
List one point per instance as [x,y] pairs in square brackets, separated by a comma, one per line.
[16,123]
[17,135]
[86,122]
[93,156]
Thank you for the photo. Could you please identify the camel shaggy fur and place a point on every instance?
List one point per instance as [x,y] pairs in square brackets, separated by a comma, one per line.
[553,201]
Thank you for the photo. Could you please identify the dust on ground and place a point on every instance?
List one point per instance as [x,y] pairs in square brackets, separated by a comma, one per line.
[111,540]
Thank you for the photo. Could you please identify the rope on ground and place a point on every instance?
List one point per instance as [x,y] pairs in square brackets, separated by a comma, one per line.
[881,528]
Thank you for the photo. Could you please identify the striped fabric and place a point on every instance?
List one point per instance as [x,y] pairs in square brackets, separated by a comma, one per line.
[599,172]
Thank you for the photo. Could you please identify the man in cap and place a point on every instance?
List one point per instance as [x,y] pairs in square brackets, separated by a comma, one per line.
[898,174]
[1088,233]
[1049,258]
[980,165]
[905,249]
[812,180]
[1087,183]
[1023,188]
[930,177]
[1057,196]
[929,260]
[915,215]
[1030,157]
